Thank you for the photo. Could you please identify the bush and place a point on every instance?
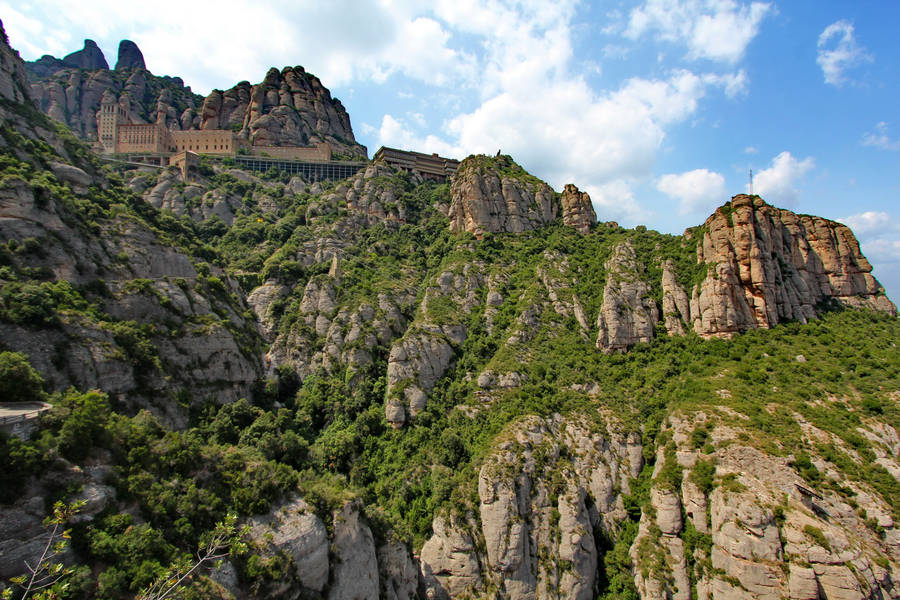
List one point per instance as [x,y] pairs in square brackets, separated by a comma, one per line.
[19,382]
[703,475]
[85,426]
[20,461]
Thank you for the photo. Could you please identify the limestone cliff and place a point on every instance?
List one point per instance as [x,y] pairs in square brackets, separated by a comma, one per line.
[288,108]
[130,56]
[768,532]
[538,531]
[768,265]
[90,58]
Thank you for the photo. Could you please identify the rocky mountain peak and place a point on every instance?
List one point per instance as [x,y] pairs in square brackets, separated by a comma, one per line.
[496,195]
[289,107]
[578,212]
[130,56]
[13,78]
[90,57]
[768,265]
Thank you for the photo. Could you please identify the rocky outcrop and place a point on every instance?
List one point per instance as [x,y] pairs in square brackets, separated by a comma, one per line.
[90,57]
[449,562]
[629,314]
[130,56]
[577,209]
[768,265]
[559,285]
[398,571]
[495,195]
[295,530]
[428,348]
[356,568]
[769,535]
[370,197]
[13,77]
[288,108]
[542,493]
[676,308]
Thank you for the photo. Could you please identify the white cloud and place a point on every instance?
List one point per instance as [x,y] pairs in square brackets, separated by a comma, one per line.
[838,51]
[614,201]
[340,41]
[882,250]
[871,222]
[576,135]
[718,30]
[879,238]
[699,190]
[879,138]
[396,133]
[778,183]
[751,150]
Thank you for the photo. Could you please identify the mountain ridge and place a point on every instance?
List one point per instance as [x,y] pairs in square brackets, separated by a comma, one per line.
[288,108]
[411,389]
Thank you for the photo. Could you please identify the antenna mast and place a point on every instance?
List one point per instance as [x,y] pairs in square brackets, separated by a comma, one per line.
[751,182]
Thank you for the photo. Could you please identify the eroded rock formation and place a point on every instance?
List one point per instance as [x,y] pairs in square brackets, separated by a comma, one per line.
[768,265]
[577,210]
[288,108]
[72,94]
[629,313]
[538,531]
[130,56]
[770,535]
[494,195]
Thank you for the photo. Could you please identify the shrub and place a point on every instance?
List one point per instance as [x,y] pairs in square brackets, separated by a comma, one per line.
[85,426]
[19,382]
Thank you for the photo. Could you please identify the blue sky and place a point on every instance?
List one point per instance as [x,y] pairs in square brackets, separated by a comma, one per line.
[658,108]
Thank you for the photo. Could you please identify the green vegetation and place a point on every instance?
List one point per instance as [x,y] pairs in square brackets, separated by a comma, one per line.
[323,436]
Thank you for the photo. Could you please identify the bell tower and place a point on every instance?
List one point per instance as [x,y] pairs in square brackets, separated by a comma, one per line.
[109,118]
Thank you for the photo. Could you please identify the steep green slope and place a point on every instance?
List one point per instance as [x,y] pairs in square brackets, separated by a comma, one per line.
[393,409]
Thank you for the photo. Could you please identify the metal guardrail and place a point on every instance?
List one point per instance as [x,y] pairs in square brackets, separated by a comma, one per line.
[24,416]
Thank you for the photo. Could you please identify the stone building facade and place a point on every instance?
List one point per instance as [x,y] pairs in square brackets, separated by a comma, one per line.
[117,134]
[429,166]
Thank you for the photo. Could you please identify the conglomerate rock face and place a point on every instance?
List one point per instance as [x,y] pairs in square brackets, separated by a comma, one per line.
[769,534]
[130,56]
[577,210]
[629,313]
[676,307]
[71,89]
[496,196]
[543,493]
[768,265]
[288,108]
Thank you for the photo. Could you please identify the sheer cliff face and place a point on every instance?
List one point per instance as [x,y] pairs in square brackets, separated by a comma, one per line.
[497,196]
[135,303]
[70,90]
[768,265]
[289,107]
